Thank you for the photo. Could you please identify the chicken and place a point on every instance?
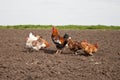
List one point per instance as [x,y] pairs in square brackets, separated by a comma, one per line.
[30,39]
[89,48]
[36,42]
[60,42]
[74,45]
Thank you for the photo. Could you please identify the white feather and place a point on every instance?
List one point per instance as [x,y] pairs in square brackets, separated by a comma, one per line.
[32,37]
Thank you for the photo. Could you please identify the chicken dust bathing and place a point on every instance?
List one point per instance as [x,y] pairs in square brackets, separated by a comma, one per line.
[17,64]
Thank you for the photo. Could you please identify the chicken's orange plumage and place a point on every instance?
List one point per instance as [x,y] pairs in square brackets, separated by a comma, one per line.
[55,31]
[89,48]
[45,42]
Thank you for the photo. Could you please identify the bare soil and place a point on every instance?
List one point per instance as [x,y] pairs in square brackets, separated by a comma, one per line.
[16,64]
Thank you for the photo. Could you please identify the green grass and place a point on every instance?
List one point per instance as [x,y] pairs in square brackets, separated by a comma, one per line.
[81,27]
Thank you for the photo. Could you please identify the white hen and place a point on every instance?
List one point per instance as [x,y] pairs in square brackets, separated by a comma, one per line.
[30,39]
[35,42]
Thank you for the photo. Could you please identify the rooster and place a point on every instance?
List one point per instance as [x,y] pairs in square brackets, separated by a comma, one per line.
[36,42]
[89,48]
[74,45]
[60,42]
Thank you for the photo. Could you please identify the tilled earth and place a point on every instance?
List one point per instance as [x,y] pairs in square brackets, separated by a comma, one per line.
[17,64]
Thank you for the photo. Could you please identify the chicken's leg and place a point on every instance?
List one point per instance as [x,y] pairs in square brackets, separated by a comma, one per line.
[58,51]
